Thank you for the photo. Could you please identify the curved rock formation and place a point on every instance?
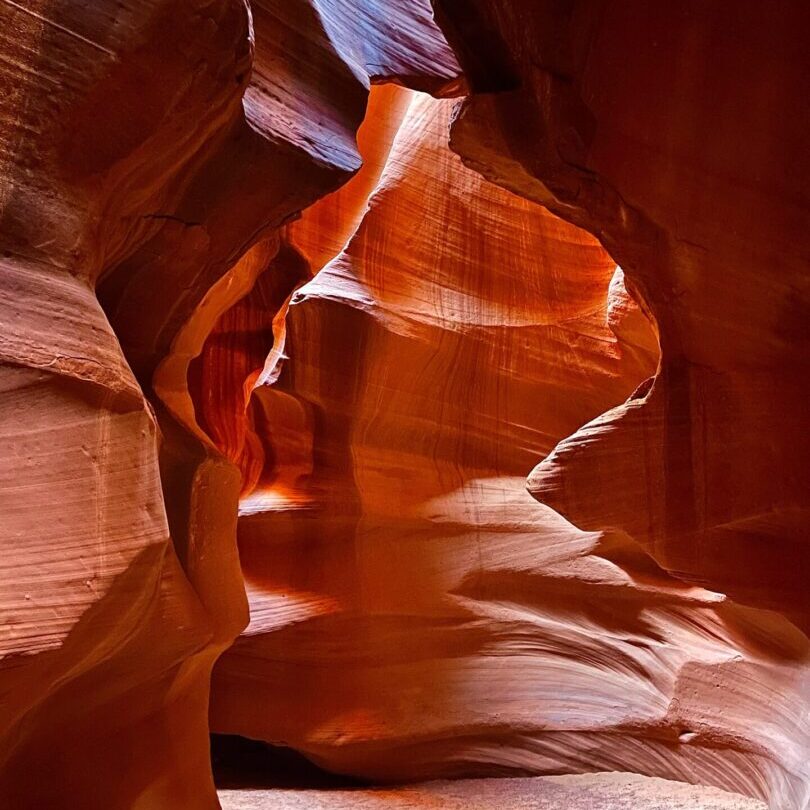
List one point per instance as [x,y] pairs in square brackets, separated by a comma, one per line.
[132,167]
[395,565]
[663,131]
[174,174]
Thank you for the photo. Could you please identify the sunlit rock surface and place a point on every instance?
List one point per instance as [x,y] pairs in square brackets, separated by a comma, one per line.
[228,268]
[661,129]
[149,153]
[414,612]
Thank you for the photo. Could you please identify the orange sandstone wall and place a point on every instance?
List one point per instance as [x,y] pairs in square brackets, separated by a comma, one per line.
[413,613]
[663,129]
[149,153]
[229,269]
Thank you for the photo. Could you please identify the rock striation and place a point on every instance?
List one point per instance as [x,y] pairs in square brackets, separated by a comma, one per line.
[678,155]
[264,272]
[150,153]
[395,567]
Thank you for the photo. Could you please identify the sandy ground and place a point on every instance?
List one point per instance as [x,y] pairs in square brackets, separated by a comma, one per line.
[603,791]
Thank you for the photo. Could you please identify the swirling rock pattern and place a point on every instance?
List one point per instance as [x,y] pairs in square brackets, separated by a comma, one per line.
[149,153]
[661,131]
[412,613]
[230,270]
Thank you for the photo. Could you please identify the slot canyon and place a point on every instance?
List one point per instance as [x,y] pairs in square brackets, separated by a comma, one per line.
[404,404]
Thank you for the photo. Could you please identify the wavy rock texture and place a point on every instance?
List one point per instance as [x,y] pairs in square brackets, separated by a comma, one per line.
[233,359]
[413,612]
[141,197]
[662,130]
[165,349]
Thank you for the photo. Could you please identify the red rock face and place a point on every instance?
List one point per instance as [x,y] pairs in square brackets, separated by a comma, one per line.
[149,152]
[229,271]
[663,131]
[428,368]
[695,229]
[395,567]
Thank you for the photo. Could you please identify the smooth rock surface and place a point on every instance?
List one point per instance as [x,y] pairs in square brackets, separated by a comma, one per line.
[230,269]
[413,613]
[150,153]
[660,128]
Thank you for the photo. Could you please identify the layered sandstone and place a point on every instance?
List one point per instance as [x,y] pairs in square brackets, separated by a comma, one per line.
[228,270]
[413,614]
[663,131]
[150,153]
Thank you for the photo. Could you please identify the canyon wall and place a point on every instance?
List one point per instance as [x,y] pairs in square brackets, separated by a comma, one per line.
[232,277]
[414,613]
[665,131]
[149,153]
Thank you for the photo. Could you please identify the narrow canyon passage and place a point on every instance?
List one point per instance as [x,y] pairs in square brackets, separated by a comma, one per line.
[406,593]
[405,402]
[395,565]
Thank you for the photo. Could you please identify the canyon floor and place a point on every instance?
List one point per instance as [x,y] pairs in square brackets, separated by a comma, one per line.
[601,791]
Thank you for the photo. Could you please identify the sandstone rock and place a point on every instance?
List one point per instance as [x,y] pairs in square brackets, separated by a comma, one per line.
[662,131]
[413,612]
[228,268]
[141,196]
